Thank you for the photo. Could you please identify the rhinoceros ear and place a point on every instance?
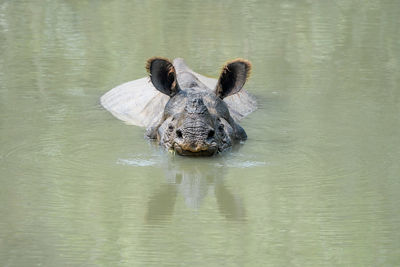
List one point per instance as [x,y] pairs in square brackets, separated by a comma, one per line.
[163,75]
[233,76]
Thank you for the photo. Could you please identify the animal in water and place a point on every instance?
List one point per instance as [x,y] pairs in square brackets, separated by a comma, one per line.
[184,111]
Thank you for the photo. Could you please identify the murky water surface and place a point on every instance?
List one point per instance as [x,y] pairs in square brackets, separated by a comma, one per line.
[316,184]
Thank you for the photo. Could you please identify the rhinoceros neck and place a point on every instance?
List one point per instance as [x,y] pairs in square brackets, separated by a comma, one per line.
[180,66]
[188,82]
[187,78]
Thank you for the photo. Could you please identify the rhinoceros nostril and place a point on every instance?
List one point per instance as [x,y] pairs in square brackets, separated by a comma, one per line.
[179,133]
[211,134]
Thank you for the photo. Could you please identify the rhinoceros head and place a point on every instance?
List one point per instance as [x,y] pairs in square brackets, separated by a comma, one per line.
[196,120]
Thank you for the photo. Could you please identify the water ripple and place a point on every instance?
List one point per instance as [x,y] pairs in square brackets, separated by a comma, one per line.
[137,162]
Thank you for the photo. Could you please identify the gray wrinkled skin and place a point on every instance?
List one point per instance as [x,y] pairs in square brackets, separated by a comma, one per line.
[195,122]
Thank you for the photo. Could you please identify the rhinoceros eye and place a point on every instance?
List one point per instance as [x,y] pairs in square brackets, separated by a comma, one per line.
[170,127]
[221,127]
[211,134]
[179,133]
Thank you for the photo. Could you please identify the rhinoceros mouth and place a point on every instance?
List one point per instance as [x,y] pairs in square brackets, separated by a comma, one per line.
[202,153]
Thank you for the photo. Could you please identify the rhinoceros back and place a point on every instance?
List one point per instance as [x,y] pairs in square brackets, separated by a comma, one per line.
[136,102]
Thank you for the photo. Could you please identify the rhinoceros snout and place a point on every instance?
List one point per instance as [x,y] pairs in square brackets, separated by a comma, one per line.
[195,142]
[190,150]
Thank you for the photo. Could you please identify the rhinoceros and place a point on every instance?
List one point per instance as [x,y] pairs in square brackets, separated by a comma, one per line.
[184,111]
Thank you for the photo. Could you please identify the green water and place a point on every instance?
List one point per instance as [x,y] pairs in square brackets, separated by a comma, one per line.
[316,184]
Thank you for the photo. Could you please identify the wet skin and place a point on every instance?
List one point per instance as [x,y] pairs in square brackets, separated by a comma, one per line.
[196,120]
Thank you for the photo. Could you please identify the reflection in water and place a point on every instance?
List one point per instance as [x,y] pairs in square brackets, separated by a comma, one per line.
[194,182]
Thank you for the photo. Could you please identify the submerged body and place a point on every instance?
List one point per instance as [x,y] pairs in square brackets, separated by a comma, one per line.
[195,119]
